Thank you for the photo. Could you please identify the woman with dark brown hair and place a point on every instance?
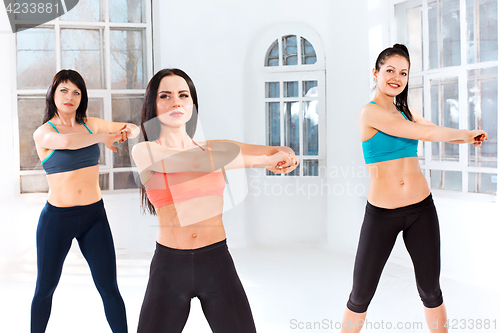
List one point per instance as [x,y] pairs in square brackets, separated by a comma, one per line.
[67,145]
[399,198]
[183,185]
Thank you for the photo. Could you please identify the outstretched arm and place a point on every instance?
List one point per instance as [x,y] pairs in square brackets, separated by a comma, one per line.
[419,119]
[250,150]
[376,117]
[126,130]
[47,138]
[152,157]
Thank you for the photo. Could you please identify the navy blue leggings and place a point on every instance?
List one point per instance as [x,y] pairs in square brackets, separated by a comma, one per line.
[208,273]
[57,227]
[381,226]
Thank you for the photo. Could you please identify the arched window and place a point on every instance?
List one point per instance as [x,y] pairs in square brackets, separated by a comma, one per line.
[295,100]
[290,51]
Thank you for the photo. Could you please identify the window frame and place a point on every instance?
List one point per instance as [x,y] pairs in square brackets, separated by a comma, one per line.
[105,93]
[299,72]
[460,72]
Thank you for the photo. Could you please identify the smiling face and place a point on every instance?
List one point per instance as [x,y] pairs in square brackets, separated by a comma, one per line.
[67,97]
[392,76]
[174,104]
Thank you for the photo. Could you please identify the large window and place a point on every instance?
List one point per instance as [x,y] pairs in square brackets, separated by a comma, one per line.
[107,42]
[294,101]
[454,81]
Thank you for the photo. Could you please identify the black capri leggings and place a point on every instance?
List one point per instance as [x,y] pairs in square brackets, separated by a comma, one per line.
[381,226]
[208,273]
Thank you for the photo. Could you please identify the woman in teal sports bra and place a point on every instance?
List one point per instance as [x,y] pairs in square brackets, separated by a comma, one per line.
[67,145]
[398,196]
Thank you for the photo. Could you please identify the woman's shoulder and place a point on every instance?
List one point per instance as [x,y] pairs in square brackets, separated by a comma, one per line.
[93,123]
[369,110]
[145,146]
[370,106]
[42,130]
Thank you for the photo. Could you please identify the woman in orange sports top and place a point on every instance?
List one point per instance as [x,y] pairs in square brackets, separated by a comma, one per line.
[183,186]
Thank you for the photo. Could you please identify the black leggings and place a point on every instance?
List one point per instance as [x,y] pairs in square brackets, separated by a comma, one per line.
[208,273]
[381,226]
[57,227]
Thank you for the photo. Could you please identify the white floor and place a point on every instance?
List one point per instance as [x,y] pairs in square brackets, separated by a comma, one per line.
[295,289]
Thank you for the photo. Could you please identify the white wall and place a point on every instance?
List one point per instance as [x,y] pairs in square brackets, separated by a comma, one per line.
[225,60]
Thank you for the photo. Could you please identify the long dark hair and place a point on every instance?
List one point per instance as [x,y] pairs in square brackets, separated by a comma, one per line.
[150,125]
[74,77]
[401,99]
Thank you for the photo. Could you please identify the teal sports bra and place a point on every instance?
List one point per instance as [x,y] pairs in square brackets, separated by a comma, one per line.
[63,160]
[384,147]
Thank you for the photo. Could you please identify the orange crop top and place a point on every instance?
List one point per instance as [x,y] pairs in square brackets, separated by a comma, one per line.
[167,188]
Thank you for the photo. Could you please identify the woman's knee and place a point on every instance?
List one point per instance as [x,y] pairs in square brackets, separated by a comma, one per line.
[431,298]
[359,302]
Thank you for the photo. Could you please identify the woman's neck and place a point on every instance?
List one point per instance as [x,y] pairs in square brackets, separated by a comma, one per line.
[63,119]
[175,138]
[383,100]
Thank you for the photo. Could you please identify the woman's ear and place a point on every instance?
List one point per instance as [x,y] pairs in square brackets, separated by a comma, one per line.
[374,72]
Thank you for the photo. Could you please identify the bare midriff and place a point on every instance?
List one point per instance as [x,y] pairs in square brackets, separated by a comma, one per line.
[396,183]
[74,188]
[191,224]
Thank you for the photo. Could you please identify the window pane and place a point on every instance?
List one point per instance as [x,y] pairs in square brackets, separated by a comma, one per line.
[291,89]
[81,51]
[125,11]
[482,182]
[88,10]
[34,184]
[445,112]
[409,30]
[289,50]
[273,124]
[310,135]
[104,181]
[483,114]
[35,46]
[311,168]
[415,80]
[308,53]
[30,113]
[95,108]
[292,126]
[273,55]
[295,172]
[444,33]
[127,59]
[482,30]
[446,180]
[310,88]
[416,102]
[125,109]
[124,180]
[272,89]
